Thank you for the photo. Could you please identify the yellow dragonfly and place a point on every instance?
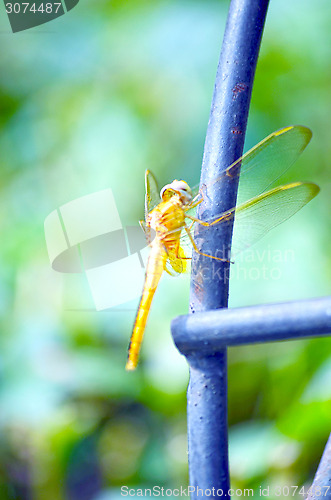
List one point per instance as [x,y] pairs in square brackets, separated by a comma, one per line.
[168,219]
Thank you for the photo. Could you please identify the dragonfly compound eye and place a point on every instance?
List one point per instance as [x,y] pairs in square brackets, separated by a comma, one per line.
[179,187]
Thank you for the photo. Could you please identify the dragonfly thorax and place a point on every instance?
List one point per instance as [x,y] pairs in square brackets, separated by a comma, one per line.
[179,188]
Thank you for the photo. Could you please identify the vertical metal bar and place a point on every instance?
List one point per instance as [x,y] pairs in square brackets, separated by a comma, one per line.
[207,391]
[321,487]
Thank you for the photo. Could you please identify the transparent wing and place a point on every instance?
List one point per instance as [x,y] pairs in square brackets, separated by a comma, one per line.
[260,168]
[262,165]
[177,262]
[152,196]
[256,217]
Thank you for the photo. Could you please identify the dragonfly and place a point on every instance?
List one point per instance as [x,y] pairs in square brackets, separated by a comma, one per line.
[260,207]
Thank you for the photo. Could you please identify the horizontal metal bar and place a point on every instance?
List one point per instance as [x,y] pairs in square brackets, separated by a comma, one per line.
[213,330]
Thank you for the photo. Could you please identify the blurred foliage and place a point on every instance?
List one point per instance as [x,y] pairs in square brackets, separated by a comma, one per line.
[88,102]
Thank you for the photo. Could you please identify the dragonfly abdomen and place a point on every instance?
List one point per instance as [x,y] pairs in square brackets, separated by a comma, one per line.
[155,266]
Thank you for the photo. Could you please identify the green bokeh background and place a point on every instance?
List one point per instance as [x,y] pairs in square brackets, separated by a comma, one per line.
[88,102]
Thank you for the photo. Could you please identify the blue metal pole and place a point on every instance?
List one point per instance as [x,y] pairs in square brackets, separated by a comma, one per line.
[208,332]
[321,487]
[207,391]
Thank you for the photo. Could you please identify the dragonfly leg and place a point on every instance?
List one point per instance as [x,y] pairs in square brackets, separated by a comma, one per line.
[191,225]
[208,224]
[183,258]
[194,203]
[180,256]
[198,198]
[201,253]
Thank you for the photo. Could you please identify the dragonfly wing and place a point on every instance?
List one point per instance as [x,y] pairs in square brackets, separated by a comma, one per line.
[149,233]
[143,225]
[259,168]
[152,196]
[258,216]
[262,165]
[177,262]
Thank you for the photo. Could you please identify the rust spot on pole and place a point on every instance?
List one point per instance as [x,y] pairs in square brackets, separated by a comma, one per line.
[238,88]
[236,130]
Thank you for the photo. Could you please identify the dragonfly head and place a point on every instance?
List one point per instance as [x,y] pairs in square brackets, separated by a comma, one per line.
[181,188]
